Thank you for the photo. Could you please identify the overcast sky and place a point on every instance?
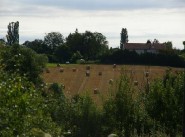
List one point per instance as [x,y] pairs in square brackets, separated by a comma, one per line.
[144,19]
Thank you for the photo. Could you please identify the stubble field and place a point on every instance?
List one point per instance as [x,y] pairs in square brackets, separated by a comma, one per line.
[102,79]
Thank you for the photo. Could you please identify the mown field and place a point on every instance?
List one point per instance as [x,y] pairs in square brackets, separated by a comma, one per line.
[96,85]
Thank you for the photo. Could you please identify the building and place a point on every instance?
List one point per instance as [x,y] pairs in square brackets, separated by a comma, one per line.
[141,48]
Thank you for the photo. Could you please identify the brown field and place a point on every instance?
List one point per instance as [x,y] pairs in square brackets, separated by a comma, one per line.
[76,82]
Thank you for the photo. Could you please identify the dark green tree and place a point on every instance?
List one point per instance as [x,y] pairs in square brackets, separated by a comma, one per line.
[13,33]
[169,45]
[124,38]
[53,40]
[38,46]
[63,53]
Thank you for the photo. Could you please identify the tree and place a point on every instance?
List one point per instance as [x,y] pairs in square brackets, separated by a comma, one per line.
[124,38]
[184,44]
[119,110]
[23,61]
[156,41]
[13,33]
[90,45]
[53,40]
[63,53]
[164,102]
[169,45]
[38,46]
[149,41]
[23,108]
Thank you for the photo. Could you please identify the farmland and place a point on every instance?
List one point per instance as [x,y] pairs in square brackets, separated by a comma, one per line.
[98,85]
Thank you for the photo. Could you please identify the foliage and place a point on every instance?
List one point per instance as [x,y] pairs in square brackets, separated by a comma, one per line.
[38,46]
[124,38]
[164,58]
[22,108]
[120,110]
[90,45]
[53,40]
[164,102]
[13,33]
[23,61]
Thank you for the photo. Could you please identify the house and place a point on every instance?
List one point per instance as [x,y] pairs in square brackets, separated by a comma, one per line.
[145,47]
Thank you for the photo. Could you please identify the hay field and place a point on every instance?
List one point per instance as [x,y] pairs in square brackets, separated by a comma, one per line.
[96,85]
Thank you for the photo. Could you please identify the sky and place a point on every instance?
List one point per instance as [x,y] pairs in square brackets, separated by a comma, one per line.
[144,19]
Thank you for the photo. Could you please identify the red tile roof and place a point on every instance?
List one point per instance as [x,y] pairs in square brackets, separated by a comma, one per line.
[144,46]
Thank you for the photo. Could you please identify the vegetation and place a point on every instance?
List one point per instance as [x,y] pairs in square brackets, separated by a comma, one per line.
[124,38]
[29,110]
[13,33]
[29,107]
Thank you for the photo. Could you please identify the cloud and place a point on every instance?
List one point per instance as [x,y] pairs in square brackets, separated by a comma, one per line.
[143,19]
[33,5]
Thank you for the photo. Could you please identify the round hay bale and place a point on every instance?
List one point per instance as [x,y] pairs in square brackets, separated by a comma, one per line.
[135,83]
[111,81]
[96,91]
[74,69]
[61,69]
[88,67]
[147,74]
[87,73]
[114,65]
[100,73]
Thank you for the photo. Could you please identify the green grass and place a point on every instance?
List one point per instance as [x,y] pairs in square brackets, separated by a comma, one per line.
[50,65]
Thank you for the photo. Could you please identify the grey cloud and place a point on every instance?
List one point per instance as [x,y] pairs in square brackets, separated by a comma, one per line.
[106,4]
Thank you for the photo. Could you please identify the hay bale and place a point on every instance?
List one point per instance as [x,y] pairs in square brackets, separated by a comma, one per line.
[96,91]
[147,74]
[88,67]
[87,73]
[111,81]
[74,69]
[135,83]
[100,73]
[114,65]
[61,69]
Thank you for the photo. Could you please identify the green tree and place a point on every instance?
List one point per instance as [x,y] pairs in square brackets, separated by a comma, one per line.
[23,61]
[184,44]
[119,112]
[75,41]
[63,53]
[91,45]
[53,40]
[164,103]
[13,33]
[169,45]
[38,46]
[22,108]
[124,38]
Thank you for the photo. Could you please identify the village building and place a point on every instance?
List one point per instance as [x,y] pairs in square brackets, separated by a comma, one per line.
[141,48]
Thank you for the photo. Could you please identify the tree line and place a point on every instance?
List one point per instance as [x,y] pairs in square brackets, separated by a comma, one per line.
[93,46]
[87,46]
